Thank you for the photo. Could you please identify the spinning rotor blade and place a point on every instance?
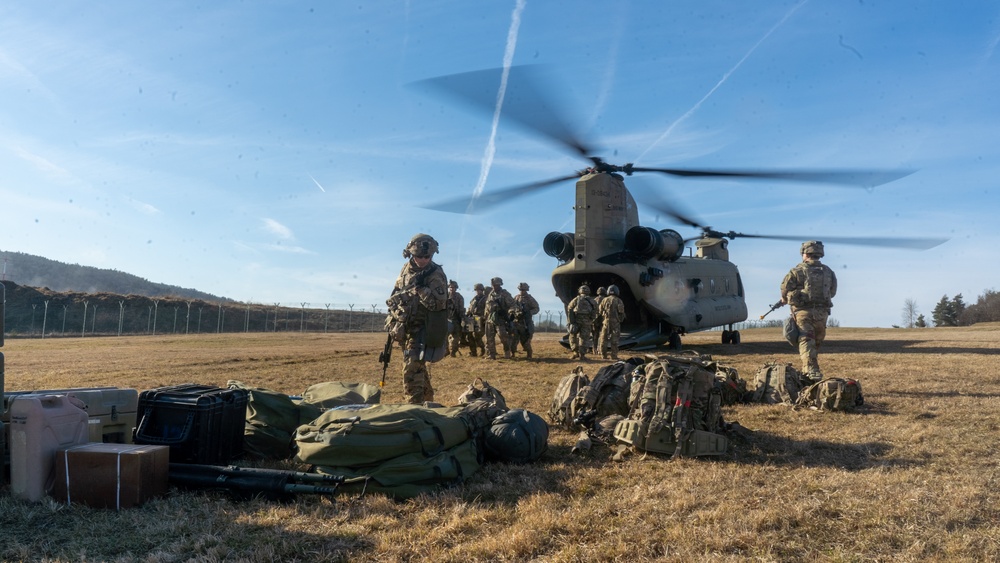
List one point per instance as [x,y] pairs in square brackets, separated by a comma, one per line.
[885,242]
[524,101]
[862,178]
[473,205]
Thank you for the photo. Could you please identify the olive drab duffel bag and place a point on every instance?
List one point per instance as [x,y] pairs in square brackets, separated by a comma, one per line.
[271,420]
[677,410]
[832,394]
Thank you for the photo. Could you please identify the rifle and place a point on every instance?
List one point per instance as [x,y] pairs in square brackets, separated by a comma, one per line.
[247,482]
[773,308]
[384,358]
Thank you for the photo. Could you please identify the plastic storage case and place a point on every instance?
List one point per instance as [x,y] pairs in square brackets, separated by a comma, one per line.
[200,423]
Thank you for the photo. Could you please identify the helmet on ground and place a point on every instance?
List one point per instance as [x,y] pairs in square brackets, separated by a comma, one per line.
[814,247]
[523,286]
[479,287]
[584,289]
[453,283]
[496,281]
[612,290]
[421,246]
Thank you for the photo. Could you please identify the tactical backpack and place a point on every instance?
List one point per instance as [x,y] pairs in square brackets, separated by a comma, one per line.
[484,392]
[732,387]
[566,391]
[678,410]
[777,383]
[607,394]
[832,394]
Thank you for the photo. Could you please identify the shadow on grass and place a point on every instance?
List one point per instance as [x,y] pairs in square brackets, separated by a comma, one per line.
[769,449]
[843,347]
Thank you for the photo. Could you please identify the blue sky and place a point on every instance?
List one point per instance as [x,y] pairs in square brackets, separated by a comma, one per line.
[278,152]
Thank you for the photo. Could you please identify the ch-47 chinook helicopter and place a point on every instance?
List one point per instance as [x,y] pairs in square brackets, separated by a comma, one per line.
[666,293]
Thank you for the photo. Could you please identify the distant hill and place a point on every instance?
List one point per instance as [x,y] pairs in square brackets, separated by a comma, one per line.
[36,271]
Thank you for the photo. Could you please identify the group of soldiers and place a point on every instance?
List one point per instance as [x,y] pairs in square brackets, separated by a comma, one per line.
[428,317]
[493,314]
[595,319]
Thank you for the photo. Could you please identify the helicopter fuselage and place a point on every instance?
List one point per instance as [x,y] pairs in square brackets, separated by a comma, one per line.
[666,293]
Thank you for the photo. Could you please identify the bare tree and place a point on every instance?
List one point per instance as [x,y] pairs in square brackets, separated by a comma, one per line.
[910,313]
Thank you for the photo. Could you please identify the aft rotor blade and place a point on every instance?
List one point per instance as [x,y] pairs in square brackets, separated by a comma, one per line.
[473,205]
[524,100]
[861,178]
[885,242]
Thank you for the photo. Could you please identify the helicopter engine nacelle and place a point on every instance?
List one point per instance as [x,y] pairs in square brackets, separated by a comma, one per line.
[647,242]
[559,245]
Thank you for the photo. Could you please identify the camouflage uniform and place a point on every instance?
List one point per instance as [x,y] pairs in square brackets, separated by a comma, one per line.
[456,318]
[498,304]
[477,312]
[525,307]
[416,296]
[612,312]
[580,312]
[598,321]
[809,288]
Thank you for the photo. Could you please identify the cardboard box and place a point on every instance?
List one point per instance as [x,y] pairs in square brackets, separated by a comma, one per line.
[111,475]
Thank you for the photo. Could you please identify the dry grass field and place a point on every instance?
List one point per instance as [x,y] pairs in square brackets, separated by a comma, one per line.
[914,476]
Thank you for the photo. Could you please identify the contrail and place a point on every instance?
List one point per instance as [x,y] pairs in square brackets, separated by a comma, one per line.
[317,183]
[508,58]
[725,77]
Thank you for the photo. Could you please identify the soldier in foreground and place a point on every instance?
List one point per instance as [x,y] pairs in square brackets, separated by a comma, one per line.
[498,305]
[612,312]
[477,312]
[456,317]
[525,308]
[418,316]
[809,288]
[580,312]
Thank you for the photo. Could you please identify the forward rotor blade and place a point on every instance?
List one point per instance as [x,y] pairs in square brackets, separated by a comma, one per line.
[885,242]
[861,178]
[524,100]
[473,205]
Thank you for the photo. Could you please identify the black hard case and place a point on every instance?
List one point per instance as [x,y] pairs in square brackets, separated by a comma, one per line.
[201,424]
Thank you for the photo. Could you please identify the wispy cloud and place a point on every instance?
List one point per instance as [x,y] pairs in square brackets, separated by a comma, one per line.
[276,228]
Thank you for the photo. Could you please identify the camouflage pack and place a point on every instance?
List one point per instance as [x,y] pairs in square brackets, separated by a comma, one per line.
[777,383]
[678,410]
[566,391]
[733,387]
[832,394]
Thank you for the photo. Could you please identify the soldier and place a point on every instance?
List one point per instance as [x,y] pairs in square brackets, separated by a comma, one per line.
[580,313]
[598,321]
[498,304]
[456,318]
[525,307]
[477,312]
[809,288]
[418,316]
[612,311]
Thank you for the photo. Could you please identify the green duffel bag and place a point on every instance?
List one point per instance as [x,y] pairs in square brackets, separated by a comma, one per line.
[271,420]
[332,394]
[412,474]
[360,437]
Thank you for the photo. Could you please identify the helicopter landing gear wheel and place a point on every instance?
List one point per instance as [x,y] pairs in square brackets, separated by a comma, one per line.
[726,336]
[674,341]
[734,337]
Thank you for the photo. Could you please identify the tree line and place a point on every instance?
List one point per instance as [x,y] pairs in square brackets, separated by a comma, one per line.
[954,311]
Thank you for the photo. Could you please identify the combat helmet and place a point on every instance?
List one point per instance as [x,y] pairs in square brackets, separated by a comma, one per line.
[523,286]
[601,291]
[612,289]
[584,289]
[496,281]
[479,287]
[453,283]
[421,246]
[813,247]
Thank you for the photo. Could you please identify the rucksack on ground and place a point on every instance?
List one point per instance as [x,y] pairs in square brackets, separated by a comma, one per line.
[732,387]
[271,420]
[566,391]
[832,394]
[607,394]
[517,436]
[777,383]
[481,390]
[678,409]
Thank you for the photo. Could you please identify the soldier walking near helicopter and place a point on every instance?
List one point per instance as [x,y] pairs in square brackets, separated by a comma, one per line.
[580,313]
[418,317]
[525,307]
[498,304]
[477,312]
[456,316]
[598,321]
[612,312]
[809,288]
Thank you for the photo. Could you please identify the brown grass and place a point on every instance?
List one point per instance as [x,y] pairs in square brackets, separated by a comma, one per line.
[912,477]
